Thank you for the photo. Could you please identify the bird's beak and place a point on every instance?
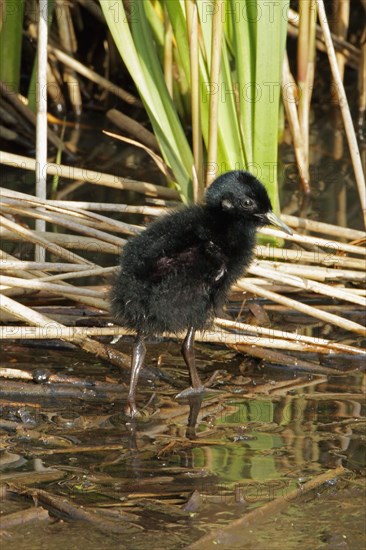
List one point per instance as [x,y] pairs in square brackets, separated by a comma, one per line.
[272,219]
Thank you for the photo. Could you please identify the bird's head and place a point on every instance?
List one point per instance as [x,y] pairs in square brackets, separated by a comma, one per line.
[240,194]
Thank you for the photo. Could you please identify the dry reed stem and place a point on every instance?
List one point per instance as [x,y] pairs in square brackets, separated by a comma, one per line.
[17,374]
[14,198]
[94,77]
[61,290]
[345,110]
[295,343]
[57,240]
[68,42]
[63,222]
[307,84]
[348,50]
[317,273]
[305,284]
[115,225]
[159,161]
[33,514]
[26,113]
[292,221]
[41,126]
[64,508]
[321,227]
[102,226]
[134,128]
[27,314]
[262,251]
[86,271]
[194,54]
[110,207]
[64,270]
[216,49]
[90,176]
[92,302]
[304,308]
[93,272]
[335,246]
[280,272]
[315,257]
[5,257]
[286,335]
[279,358]
[48,325]
[31,236]
[43,266]
[293,118]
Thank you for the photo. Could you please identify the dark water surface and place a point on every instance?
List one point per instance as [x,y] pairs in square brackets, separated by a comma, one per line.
[263,433]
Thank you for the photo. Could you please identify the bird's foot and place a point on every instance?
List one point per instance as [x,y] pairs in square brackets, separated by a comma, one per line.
[198,390]
[131,410]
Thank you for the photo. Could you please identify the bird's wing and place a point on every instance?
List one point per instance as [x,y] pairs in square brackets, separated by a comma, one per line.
[179,243]
[204,260]
[173,263]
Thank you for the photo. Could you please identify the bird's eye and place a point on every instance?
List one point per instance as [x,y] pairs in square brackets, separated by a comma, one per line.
[248,203]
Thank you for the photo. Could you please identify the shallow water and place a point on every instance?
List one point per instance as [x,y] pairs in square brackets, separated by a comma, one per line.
[260,434]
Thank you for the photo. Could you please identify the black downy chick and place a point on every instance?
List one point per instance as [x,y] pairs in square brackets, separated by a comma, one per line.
[177,272]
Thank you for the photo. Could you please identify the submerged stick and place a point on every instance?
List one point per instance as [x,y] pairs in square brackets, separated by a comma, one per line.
[33,514]
[64,508]
[222,537]
[273,356]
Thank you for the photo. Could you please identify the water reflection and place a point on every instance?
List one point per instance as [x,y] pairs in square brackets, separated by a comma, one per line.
[265,434]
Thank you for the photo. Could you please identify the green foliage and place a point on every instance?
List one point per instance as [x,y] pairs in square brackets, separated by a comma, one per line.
[11,44]
[252,48]
[134,43]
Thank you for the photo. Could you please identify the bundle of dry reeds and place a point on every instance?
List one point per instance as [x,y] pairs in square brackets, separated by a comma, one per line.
[327,261]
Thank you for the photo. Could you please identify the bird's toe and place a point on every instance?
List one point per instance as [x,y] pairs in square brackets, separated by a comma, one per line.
[190,392]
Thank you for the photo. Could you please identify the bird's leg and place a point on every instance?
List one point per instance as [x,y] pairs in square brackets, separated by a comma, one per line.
[138,356]
[195,402]
[190,359]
